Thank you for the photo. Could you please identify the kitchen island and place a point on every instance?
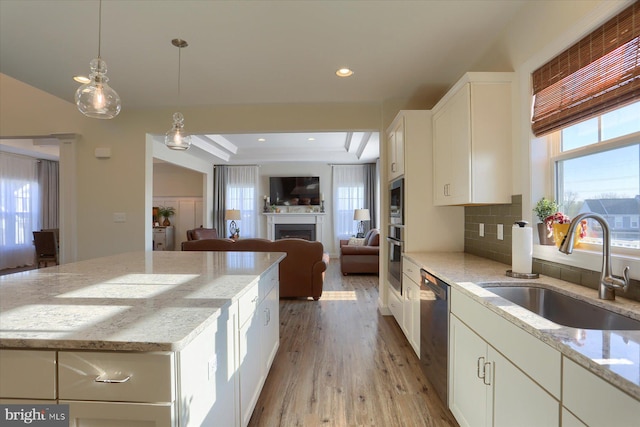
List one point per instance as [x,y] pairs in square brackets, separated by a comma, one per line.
[507,363]
[166,338]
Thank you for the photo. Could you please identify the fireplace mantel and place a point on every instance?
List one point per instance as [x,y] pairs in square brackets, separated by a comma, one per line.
[316,218]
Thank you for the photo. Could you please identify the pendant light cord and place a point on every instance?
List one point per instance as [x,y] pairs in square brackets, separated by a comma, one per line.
[179,62]
[99,27]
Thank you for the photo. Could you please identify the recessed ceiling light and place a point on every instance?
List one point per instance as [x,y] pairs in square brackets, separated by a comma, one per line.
[261,140]
[344,72]
[82,79]
[311,139]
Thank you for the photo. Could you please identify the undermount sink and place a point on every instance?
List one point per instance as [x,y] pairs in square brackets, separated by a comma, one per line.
[563,309]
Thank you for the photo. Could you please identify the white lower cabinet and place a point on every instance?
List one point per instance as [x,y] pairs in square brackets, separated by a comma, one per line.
[411,313]
[499,375]
[110,414]
[603,404]
[488,390]
[395,305]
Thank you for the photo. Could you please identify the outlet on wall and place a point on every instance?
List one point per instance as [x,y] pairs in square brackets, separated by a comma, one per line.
[481,230]
[500,232]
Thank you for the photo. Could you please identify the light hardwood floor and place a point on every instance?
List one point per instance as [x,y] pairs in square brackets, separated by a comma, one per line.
[341,363]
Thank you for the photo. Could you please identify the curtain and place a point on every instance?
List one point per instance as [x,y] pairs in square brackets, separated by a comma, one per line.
[242,193]
[370,194]
[49,184]
[19,210]
[348,195]
[219,192]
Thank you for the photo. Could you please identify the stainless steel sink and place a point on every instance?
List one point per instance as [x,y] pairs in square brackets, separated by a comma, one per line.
[564,309]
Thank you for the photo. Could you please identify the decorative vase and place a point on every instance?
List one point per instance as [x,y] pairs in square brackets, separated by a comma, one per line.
[166,222]
[543,235]
[560,230]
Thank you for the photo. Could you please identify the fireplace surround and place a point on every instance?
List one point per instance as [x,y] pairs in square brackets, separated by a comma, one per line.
[295,223]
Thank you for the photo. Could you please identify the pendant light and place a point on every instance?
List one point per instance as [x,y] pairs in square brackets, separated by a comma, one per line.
[177,138]
[96,99]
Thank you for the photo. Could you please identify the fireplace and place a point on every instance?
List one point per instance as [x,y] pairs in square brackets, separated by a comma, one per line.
[299,231]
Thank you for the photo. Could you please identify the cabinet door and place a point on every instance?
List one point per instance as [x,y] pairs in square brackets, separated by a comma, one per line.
[395,304]
[407,318]
[442,155]
[250,366]
[414,339]
[395,147]
[517,399]
[459,190]
[270,310]
[110,414]
[469,393]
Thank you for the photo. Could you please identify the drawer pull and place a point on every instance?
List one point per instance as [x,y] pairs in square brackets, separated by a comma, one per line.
[101,379]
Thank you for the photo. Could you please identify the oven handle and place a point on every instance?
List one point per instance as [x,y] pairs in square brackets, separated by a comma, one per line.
[394,241]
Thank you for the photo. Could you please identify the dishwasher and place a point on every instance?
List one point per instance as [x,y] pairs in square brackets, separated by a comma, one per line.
[434,331]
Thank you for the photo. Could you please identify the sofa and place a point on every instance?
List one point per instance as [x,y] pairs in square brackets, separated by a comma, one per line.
[202,233]
[361,258]
[301,271]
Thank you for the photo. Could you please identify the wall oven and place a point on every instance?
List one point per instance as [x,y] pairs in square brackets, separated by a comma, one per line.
[396,201]
[395,242]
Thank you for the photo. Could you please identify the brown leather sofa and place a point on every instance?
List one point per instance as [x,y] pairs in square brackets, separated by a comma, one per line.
[202,233]
[361,259]
[301,271]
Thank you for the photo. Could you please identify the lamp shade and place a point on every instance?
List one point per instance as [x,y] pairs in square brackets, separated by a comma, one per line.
[232,214]
[361,215]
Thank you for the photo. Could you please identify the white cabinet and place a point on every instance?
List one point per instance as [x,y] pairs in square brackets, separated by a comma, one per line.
[472,134]
[395,304]
[499,374]
[259,339]
[411,303]
[395,148]
[28,374]
[487,389]
[121,414]
[163,238]
[603,405]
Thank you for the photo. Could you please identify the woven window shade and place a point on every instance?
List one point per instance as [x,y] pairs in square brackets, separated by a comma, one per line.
[599,73]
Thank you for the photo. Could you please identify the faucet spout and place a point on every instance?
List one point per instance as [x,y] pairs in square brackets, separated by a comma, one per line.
[608,283]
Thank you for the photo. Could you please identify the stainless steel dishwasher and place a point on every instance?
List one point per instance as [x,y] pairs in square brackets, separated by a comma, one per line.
[434,331]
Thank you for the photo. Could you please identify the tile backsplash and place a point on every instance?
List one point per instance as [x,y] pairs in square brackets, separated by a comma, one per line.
[500,250]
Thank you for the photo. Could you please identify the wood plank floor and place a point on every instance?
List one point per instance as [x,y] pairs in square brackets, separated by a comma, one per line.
[341,363]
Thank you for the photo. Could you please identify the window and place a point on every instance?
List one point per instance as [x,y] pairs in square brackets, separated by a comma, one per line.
[348,195]
[241,193]
[597,169]
[19,210]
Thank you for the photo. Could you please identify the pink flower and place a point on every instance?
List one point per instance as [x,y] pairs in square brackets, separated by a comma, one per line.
[561,218]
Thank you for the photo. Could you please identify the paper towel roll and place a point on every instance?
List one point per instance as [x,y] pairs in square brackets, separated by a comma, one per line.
[521,249]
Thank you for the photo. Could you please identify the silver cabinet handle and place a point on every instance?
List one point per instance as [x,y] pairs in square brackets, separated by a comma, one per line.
[487,373]
[255,299]
[480,365]
[101,379]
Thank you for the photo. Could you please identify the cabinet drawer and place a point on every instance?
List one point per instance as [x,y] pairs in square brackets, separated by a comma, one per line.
[395,306]
[248,303]
[267,282]
[135,377]
[411,269]
[28,374]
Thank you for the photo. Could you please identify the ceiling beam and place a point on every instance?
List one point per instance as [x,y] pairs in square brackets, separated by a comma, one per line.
[347,141]
[363,144]
[207,145]
[223,142]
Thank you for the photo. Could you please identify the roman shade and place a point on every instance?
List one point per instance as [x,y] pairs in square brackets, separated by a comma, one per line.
[599,73]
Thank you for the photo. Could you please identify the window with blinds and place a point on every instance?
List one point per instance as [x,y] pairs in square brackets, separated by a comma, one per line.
[598,74]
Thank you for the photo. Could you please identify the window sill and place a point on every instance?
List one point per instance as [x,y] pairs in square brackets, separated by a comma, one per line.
[589,260]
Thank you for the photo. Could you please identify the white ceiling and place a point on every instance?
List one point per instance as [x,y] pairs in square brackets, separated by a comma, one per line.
[252,52]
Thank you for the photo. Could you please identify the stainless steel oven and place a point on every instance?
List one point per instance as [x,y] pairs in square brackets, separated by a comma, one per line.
[395,242]
[396,202]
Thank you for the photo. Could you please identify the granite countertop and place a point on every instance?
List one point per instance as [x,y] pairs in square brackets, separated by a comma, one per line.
[139,301]
[613,355]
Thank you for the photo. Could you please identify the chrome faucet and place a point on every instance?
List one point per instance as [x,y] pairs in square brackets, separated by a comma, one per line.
[608,283]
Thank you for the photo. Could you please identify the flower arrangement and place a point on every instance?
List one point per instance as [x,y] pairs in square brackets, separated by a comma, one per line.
[558,224]
[545,208]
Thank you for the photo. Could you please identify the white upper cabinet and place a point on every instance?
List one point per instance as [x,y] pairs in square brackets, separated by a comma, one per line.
[472,132]
[395,147]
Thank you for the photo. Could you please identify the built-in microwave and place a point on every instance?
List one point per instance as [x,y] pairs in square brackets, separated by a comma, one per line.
[396,202]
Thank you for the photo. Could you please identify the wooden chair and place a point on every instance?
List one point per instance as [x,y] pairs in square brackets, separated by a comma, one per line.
[46,247]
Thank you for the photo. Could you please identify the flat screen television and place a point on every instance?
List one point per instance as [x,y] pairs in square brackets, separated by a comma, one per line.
[294,191]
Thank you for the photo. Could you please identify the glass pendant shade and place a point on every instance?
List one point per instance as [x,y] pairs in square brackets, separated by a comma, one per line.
[177,138]
[97,99]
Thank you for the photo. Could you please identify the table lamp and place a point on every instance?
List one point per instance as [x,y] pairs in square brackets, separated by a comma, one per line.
[361,215]
[232,215]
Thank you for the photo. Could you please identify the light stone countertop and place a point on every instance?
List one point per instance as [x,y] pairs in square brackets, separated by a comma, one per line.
[139,301]
[612,355]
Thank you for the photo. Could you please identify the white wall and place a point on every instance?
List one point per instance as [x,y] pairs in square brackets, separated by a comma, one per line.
[175,181]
